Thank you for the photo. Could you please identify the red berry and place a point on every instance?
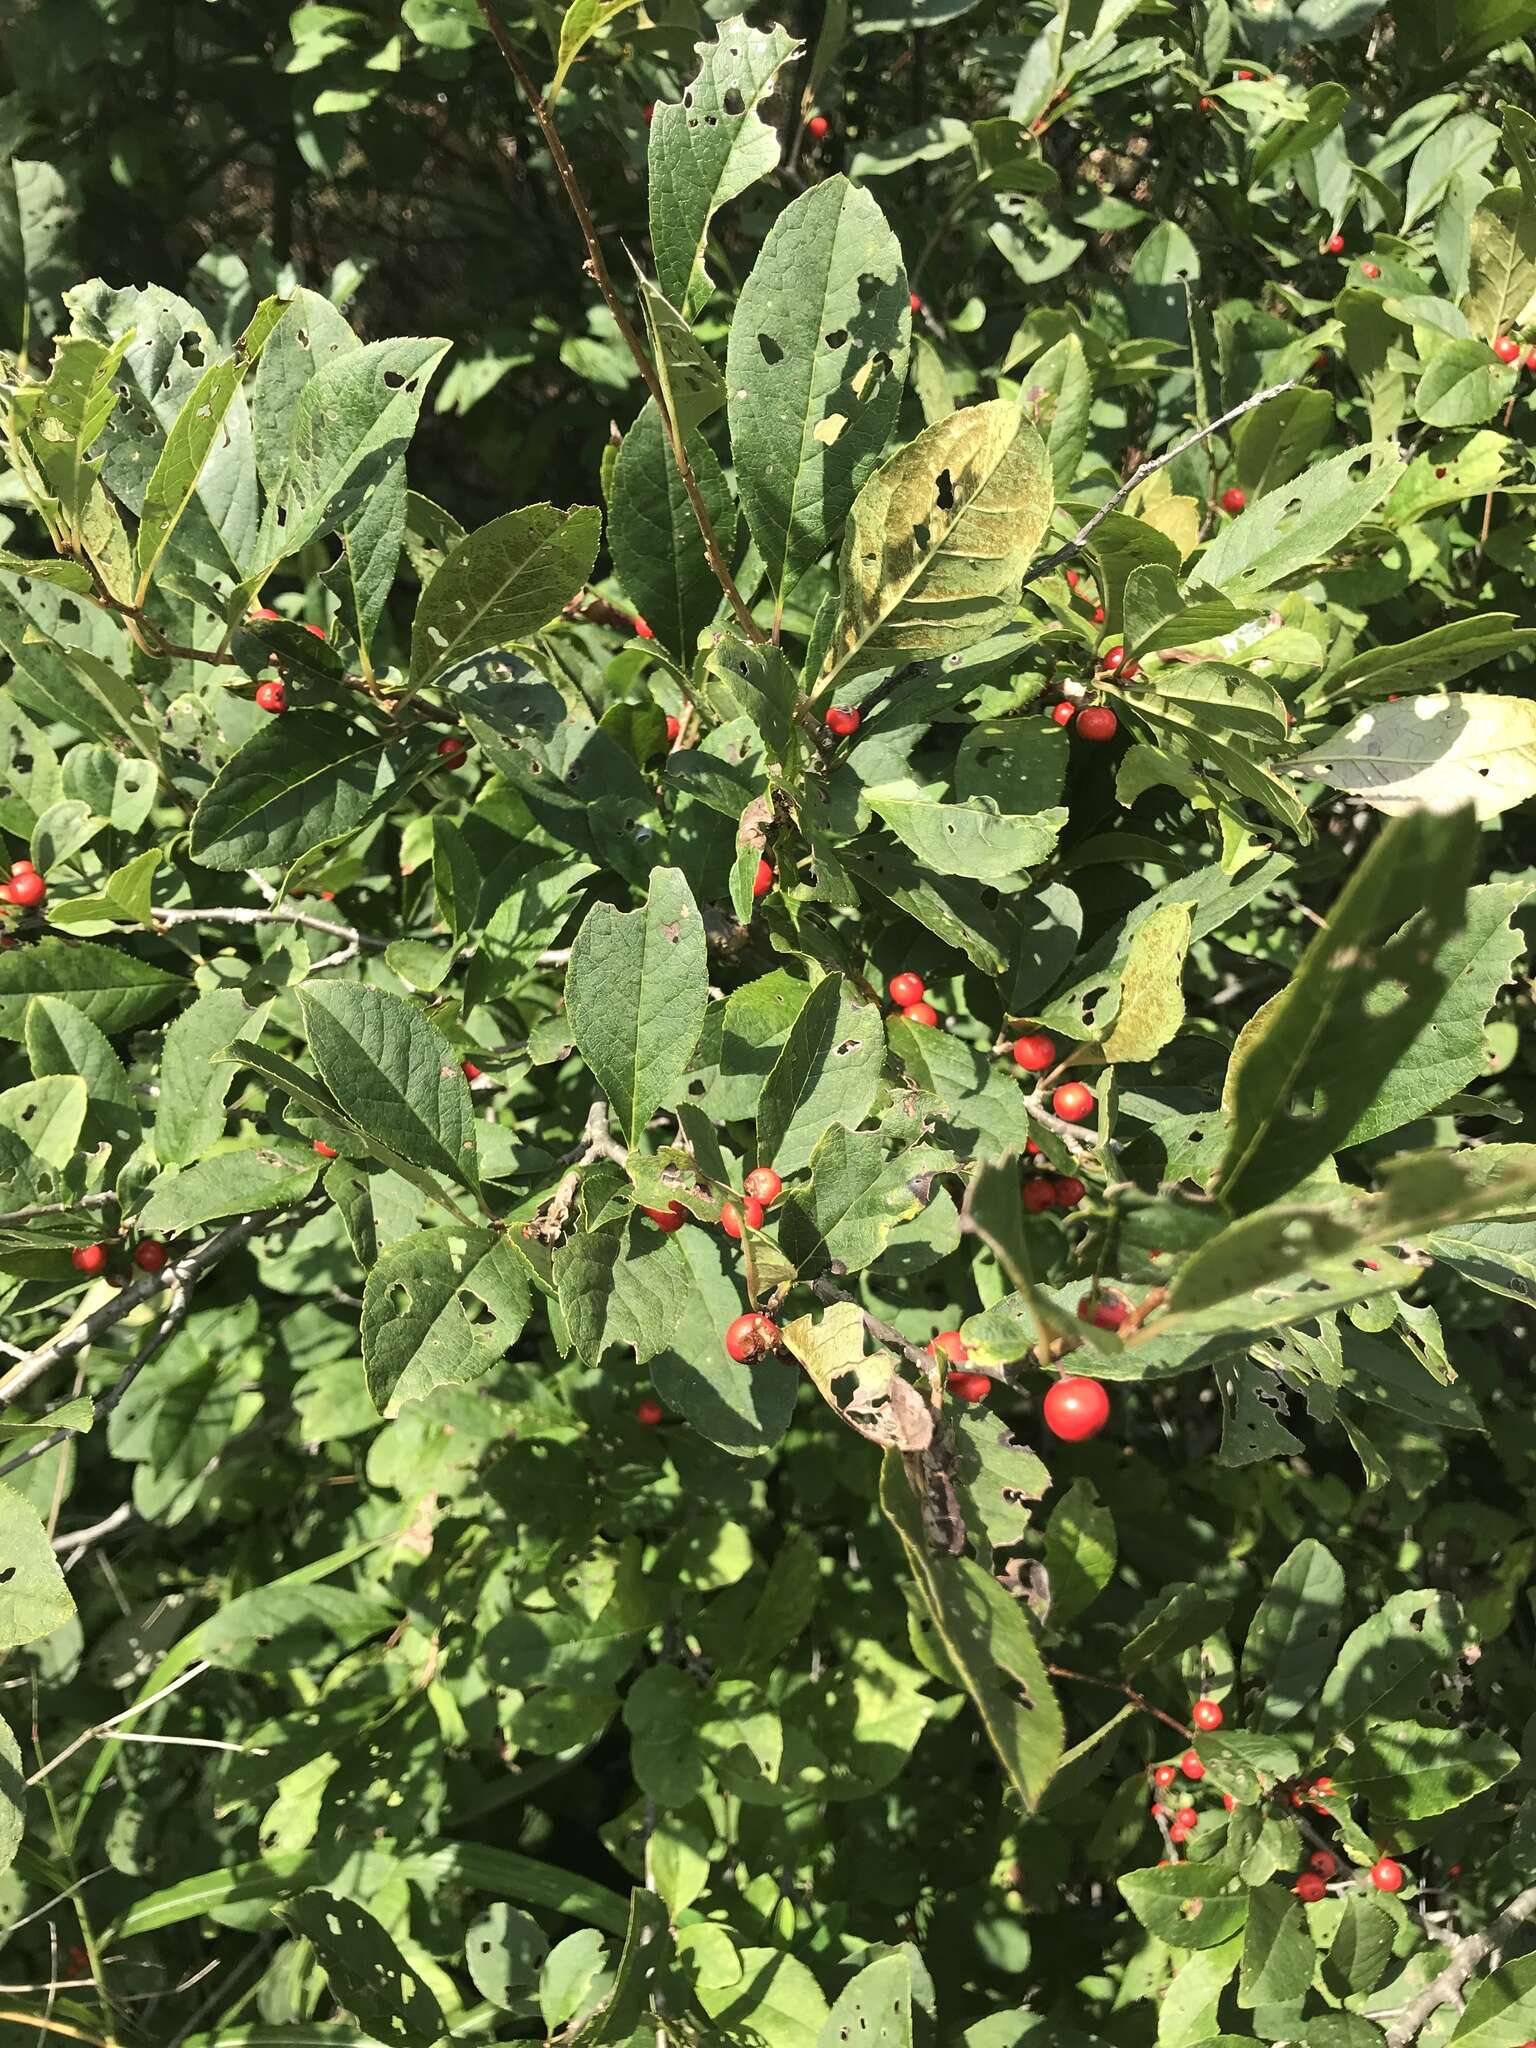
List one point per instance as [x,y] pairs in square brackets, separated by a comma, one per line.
[452,748]
[88,1258]
[1039,1195]
[642,630]
[674,726]
[1245,74]
[272,696]
[1507,349]
[1069,1191]
[1229,1802]
[673,1217]
[1105,1311]
[1098,615]
[817,127]
[763,880]
[1187,1818]
[731,1216]
[905,988]
[1370,270]
[764,1184]
[1163,1776]
[1387,1875]
[150,1256]
[28,889]
[1191,1766]
[22,867]
[843,720]
[1063,713]
[1309,1888]
[1322,1787]
[469,1070]
[1098,722]
[1075,1409]
[649,1413]
[266,612]
[1530,359]
[1073,1101]
[1206,104]
[968,1386]
[648,112]
[1178,1834]
[318,631]
[1335,245]
[1207,1714]
[916,303]
[1114,660]
[325,1151]
[1320,360]
[920,1013]
[1034,1052]
[1233,499]
[1072,579]
[951,1345]
[751,1336]
[1324,1862]
[1157,1810]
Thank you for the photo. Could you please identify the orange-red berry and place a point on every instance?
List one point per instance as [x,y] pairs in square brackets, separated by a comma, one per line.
[1075,1409]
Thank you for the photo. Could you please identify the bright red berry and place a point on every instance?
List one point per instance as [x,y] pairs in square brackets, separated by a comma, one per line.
[1178,1834]
[1073,579]
[1324,1862]
[1229,1802]
[968,1386]
[1073,1101]
[1114,660]
[1075,1409]
[1157,1810]
[1163,1776]
[905,988]
[1335,245]
[1309,1888]
[150,1256]
[1104,1311]
[1370,270]
[1063,713]
[1387,1875]
[818,127]
[1191,1766]
[1507,349]
[915,302]
[648,112]
[469,1070]
[272,696]
[325,1151]
[731,1215]
[920,1013]
[1233,499]
[673,1217]
[1245,74]
[751,1336]
[1034,1052]
[843,720]
[642,630]
[1098,722]
[22,867]
[1207,1715]
[1069,1191]
[1039,1195]
[951,1345]
[28,889]
[318,631]
[88,1258]
[1187,1818]
[266,612]
[1206,104]
[649,1413]
[1098,615]
[1530,359]
[762,881]
[674,726]
[1322,1787]
[452,748]
[764,1185]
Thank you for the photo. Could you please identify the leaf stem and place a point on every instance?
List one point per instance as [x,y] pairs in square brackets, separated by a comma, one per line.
[1127,1691]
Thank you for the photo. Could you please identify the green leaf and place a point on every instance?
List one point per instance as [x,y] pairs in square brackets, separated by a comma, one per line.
[1502,2010]
[1361,1946]
[1058,392]
[1291,1639]
[1410,1770]
[365,1971]
[194,1081]
[815,364]
[875,2009]
[580,23]
[34,1600]
[229,1183]
[827,1074]
[645,1957]
[13,1797]
[1463,385]
[1300,523]
[859,1193]
[1314,1060]
[503,1952]
[1501,268]
[1279,1956]
[1080,1551]
[1433,752]
[658,554]
[1188,1905]
[771,1999]
[744,1408]
[614,1293]
[63,418]
[300,782]
[114,990]
[440,1307]
[693,385]
[988,1640]
[1320,114]
[938,541]
[636,990]
[1185,1616]
[969,839]
[124,897]
[1386,1668]
[501,583]
[1151,986]
[394,1073]
[709,147]
[1409,667]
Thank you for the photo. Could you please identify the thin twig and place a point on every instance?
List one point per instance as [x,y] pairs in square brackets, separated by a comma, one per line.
[14,1218]
[1139,476]
[1126,1691]
[598,270]
[105,1727]
[1465,1957]
[81,1539]
[244,913]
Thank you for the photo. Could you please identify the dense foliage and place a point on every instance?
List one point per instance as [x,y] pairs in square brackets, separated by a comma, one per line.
[764,1256]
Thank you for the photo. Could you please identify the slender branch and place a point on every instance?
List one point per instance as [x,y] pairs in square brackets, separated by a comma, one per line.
[81,1539]
[828,1291]
[598,270]
[1465,1957]
[14,1218]
[244,913]
[1126,1691]
[1139,476]
[105,1727]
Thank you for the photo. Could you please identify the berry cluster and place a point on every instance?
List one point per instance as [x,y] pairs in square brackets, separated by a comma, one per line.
[1508,350]
[1073,1409]
[908,994]
[149,1255]
[26,888]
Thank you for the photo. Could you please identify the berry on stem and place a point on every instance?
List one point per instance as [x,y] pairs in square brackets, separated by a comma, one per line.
[762,881]
[1178,1834]
[673,1217]
[1104,1311]
[920,1013]
[1233,499]
[1187,1818]
[1069,1191]
[150,1255]
[1387,1874]
[1370,270]
[968,1386]
[674,726]
[642,630]
[732,1215]
[1324,1862]
[325,1151]
[88,1258]
[1073,1101]
[452,748]
[1063,714]
[1098,615]
[764,1185]
[648,1413]
[751,1336]
[843,720]
[1507,349]
[469,1070]
[1207,1715]
[27,890]
[1034,1052]
[905,988]
[951,1345]
[1164,1776]
[1335,245]
[272,696]
[915,301]
[818,127]
[1075,1409]
[1098,722]
[1322,1786]
[1114,659]
[1191,1766]
[1038,1196]
[1309,1888]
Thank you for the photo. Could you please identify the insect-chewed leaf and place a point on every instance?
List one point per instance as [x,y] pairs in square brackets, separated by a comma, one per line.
[502,582]
[439,1308]
[1434,754]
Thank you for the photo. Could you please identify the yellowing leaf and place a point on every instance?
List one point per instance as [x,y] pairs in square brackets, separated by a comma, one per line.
[1434,753]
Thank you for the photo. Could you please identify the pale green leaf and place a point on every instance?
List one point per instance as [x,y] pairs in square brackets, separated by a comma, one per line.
[366,1973]
[875,2009]
[691,380]
[1501,272]
[34,1599]
[1189,1905]
[1151,986]
[969,839]
[1433,753]
[1501,2012]
[1301,522]
[194,1081]
[113,989]
[1411,667]
[1463,385]
[501,583]
[229,1183]
[582,20]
